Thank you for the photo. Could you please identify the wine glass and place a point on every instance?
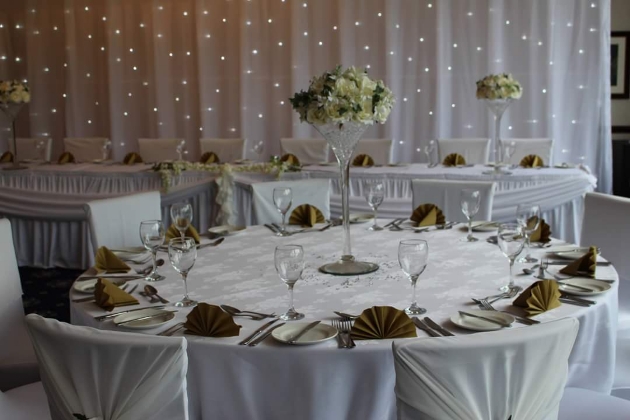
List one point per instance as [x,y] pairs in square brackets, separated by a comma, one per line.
[182,216]
[152,235]
[510,239]
[282,198]
[528,218]
[374,194]
[469,199]
[413,255]
[180,149]
[289,262]
[259,148]
[508,151]
[105,150]
[182,252]
[41,149]
[428,150]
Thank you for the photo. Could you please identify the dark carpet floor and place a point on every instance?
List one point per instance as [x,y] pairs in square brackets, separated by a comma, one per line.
[46,291]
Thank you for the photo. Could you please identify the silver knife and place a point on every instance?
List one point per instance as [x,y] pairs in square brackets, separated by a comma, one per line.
[102,317]
[577,299]
[264,335]
[425,328]
[599,263]
[271,228]
[255,333]
[575,286]
[83,299]
[494,321]
[142,318]
[304,331]
[574,302]
[438,327]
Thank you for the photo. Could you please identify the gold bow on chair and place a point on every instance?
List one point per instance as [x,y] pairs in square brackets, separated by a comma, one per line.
[454,159]
[306,215]
[363,160]
[209,157]
[66,157]
[131,158]
[291,159]
[428,215]
[532,161]
[6,157]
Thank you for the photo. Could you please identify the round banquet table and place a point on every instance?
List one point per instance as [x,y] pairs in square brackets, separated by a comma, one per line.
[276,381]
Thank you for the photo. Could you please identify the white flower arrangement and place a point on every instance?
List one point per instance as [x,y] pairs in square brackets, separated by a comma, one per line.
[499,86]
[344,96]
[14,91]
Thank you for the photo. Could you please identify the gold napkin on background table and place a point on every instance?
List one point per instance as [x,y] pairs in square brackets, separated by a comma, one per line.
[532,161]
[540,297]
[210,321]
[131,158]
[428,215]
[172,233]
[586,264]
[363,160]
[542,232]
[306,215]
[105,261]
[109,296]
[66,157]
[291,159]
[381,322]
[209,157]
[454,159]
[6,157]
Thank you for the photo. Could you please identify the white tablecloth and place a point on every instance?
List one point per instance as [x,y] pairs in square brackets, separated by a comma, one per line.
[274,381]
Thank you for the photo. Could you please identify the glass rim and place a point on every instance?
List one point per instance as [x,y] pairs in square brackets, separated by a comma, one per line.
[412,242]
[510,224]
[282,188]
[181,240]
[150,221]
[288,247]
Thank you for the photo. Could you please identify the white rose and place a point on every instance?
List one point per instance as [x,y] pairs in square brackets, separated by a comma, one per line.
[15,97]
[26,97]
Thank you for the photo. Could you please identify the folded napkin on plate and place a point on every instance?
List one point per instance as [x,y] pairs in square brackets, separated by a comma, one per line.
[6,157]
[586,264]
[131,158]
[532,161]
[210,321]
[172,233]
[454,159]
[306,215]
[105,261]
[363,160]
[109,296]
[428,215]
[539,297]
[542,232]
[66,157]
[291,159]
[209,157]
[380,322]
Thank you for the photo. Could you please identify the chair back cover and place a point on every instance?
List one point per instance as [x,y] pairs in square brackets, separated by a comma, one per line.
[309,151]
[519,372]
[535,146]
[110,375]
[115,222]
[85,149]
[379,149]
[27,148]
[446,195]
[158,150]
[312,191]
[474,150]
[228,150]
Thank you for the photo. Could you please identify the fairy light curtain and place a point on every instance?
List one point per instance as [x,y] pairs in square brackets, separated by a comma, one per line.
[224,68]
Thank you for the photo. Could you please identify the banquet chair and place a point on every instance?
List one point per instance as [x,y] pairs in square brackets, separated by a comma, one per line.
[228,150]
[27,402]
[108,374]
[158,150]
[85,149]
[474,150]
[308,151]
[311,191]
[18,365]
[379,149]
[446,195]
[492,376]
[115,222]
[27,148]
[523,147]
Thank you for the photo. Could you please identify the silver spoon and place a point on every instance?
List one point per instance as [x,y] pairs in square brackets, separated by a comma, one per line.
[233,311]
[152,291]
[345,315]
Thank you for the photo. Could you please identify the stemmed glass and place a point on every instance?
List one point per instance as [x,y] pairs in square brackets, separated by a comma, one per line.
[289,262]
[105,150]
[469,200]
[374,195]
[41,149]
[182,216]
[508,151]
[511,239]
[428,150]
[528,218]
[413,255]
[152,235]
[282,198]
[182,252]
[259,149]
[180,149]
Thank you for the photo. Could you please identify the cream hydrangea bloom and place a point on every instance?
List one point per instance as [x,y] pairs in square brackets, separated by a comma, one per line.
[499,86]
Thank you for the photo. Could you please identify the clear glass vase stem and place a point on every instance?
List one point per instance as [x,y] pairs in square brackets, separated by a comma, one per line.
[344,165]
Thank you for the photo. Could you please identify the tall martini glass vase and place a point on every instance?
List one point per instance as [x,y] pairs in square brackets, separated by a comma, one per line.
[343,139]
[11,110]
[498,107]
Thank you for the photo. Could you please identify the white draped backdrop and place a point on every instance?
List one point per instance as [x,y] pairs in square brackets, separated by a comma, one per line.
[224,68]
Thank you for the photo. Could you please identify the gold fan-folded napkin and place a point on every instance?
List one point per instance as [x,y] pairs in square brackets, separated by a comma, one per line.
[109,296]
[363,160]
[291,159]
[172,233]
[105,261]
[210,321]
[539,297]
[532,161]
[131,158]
[379,322]
[6,157]
[306,215]
[542,232]
[209,157]
[454,159]
[428,215]
[586,264]
[66,157]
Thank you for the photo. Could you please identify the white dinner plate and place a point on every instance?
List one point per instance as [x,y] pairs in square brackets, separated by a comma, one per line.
[86,286]
[162,318]
[482,226]
[317,334]
[476,324]
[598,287]
[361,218]
[226,230]
[569,252]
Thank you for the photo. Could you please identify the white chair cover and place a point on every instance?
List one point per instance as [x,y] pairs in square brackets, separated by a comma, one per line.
[85,149]
[474,150]
[27,148]
[25,403]
[379,149]
[312,191]
[523,147]
[491,376]
[18,365]
[158,150]
[309,151]
[115,222]
[446,195]
[584,404]
[110,375]
[228,150]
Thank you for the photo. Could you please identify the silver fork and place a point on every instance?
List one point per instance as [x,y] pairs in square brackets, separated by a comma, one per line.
[346,327]
[487,306]
[336,324]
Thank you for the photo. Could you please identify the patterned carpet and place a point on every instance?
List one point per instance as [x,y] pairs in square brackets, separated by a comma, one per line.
[46,291]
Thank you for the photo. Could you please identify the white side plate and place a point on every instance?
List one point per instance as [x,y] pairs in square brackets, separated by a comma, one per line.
[162,318]
[598,287]
[86,286]
[476,324]
[317,334]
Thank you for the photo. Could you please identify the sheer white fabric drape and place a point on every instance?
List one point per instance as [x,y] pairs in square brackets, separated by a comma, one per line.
[214,68]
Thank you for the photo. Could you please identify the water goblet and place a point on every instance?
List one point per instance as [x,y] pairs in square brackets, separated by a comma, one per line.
[469,201]
[508,151]
[282,198]
[182,253]
[289,262]
[374,194]
[413,255]
[105,150]
[182,216]
[152,235]
[180,149]
[510,239]
[259,149]
[428,150]
[528,218]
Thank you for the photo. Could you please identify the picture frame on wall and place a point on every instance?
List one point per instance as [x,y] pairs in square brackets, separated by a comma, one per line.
[619,63]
